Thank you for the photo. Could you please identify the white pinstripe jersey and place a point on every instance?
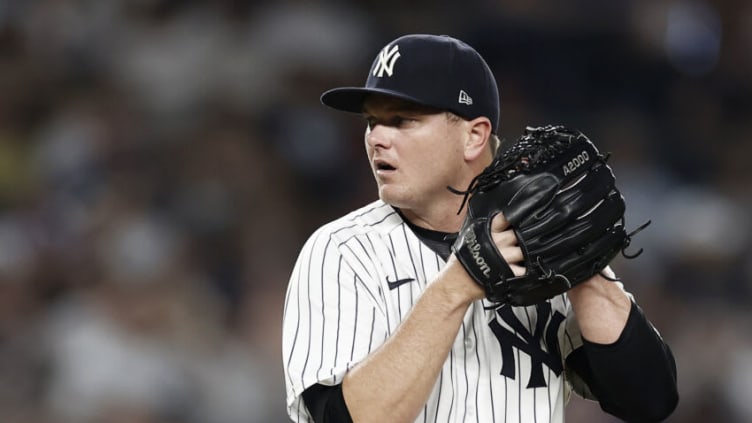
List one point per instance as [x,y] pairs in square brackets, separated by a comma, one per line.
[505,365]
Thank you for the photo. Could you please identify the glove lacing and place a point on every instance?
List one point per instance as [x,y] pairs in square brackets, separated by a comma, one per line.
[527,154]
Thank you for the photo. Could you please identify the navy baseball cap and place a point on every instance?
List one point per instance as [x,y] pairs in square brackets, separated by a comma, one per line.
[432,70]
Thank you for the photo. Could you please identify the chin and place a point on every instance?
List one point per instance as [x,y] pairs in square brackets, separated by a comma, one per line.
[392,198]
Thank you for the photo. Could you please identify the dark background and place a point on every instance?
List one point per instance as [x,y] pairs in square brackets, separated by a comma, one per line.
[161,163]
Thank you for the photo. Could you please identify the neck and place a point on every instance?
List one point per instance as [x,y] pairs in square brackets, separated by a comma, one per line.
[439,218]
[441,214]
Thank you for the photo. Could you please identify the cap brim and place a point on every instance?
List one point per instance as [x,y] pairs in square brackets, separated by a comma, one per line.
[351,99]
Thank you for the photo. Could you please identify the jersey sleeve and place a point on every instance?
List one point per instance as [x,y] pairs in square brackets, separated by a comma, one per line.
[633,378]
[570,342]
[333,318]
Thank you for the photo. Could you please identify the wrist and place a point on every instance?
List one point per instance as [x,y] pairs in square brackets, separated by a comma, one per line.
[599,287]
[457,285]
[601,308]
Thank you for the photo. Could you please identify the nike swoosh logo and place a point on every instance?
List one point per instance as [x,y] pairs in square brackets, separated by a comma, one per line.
[398,282]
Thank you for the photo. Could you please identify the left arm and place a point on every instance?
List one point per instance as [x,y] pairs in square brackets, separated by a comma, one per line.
[623,360]
[601,308]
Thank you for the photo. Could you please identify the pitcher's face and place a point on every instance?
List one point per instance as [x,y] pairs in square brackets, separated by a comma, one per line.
[415,152]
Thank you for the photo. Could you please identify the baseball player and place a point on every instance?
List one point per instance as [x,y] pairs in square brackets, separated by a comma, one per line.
[381,321]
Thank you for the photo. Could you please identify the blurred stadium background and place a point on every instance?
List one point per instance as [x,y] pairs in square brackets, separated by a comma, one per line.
[161,162]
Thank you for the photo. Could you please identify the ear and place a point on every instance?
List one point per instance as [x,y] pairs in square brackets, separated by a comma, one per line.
[476,143]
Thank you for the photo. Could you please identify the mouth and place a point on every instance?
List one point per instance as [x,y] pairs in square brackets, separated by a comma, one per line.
[382,166]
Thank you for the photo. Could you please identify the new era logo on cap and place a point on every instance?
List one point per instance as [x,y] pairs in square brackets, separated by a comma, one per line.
[464,98]
[433,70]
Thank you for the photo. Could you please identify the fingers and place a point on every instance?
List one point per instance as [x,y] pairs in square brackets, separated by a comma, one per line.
[506,242]
[517,270]
[504,239]
[513,256]
[501,232]
[499,223]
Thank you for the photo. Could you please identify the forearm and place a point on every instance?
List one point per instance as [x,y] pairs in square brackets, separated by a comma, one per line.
[633,378]
[601,308]
[394,382]
[623,360]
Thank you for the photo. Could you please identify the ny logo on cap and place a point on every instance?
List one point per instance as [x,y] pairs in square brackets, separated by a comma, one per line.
[387,58]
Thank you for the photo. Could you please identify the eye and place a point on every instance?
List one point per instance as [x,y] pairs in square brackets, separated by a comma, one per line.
[395,121]
[401,121]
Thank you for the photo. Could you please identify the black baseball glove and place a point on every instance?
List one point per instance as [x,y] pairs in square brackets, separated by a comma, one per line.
[559,195]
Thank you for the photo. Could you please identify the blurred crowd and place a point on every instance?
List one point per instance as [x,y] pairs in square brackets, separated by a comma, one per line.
[162,161]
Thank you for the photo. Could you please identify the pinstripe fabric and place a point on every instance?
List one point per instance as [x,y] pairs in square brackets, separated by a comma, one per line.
[339,307]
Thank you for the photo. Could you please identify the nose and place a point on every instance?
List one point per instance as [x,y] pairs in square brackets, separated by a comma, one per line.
[377,136]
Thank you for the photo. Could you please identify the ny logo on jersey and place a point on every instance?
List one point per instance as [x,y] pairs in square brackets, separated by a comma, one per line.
[387,58]
[541,345]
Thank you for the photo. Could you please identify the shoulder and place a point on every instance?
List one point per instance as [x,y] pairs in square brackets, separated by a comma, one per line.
[374,218]
[356,238]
